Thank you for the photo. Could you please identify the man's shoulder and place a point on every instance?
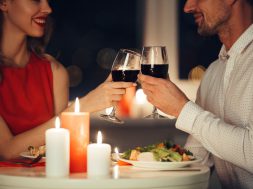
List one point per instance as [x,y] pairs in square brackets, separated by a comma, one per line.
[212,71]
[216,63]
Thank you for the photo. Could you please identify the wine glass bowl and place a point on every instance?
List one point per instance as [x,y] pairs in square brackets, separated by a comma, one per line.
[155,63]
[126,67]
[157,70]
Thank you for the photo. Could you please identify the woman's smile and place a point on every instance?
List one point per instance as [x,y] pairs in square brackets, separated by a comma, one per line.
[41,20]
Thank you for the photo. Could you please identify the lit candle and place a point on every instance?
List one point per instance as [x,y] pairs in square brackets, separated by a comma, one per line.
[124,105]
[78,124]
[108,110]
[115,172]
[140,106]
[116,151]
[99,158]
[57,151]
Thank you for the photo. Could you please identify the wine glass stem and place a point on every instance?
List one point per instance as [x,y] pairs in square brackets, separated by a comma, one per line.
[113,112]
[154,110]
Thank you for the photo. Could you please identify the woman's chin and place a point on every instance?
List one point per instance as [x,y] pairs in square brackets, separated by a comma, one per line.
[37,34]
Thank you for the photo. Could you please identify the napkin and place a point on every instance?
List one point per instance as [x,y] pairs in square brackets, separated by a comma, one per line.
[18,163]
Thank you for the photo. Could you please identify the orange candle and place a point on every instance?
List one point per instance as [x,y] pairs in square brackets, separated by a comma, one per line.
[78,124]
[124,105]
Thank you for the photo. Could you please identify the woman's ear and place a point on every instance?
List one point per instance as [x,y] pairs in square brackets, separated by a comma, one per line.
[3,5]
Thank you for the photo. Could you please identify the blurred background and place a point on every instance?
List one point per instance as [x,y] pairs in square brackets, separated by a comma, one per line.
[88,34]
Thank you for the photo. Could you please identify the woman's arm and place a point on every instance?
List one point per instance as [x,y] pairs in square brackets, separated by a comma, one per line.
[60,85]
[105,95]
[11,146]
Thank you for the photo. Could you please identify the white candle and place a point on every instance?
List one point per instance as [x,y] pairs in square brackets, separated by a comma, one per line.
[99,158]
[57,151]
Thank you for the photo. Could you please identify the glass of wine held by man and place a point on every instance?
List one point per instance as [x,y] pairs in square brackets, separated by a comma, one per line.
[155,63]
[126,67]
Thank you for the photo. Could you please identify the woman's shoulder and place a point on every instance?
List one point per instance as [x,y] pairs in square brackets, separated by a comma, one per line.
[55,64]
[59,71]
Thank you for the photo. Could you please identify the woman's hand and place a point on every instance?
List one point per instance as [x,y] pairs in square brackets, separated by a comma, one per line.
[105,95]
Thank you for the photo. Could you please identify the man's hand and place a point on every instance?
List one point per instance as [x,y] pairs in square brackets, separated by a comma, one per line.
[163,94]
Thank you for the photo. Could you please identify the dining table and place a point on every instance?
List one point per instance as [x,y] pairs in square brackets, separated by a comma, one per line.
[195,176]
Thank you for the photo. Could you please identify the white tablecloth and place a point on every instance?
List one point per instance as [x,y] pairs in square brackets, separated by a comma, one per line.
[126,177]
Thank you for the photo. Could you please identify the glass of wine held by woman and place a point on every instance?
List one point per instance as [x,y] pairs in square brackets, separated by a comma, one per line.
[126,67]
[155,63]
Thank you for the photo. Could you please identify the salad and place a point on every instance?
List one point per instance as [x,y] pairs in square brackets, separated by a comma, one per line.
[36,151]
[162,152]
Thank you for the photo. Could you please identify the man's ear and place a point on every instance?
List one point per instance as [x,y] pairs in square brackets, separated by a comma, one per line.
[3,5]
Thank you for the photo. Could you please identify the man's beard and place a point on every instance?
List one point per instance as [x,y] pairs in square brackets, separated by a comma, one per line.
[214,27]
[205,30]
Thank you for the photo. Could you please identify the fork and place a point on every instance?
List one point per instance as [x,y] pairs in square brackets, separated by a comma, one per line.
[28,164]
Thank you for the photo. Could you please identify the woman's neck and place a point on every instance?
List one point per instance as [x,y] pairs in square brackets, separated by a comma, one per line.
[14,48]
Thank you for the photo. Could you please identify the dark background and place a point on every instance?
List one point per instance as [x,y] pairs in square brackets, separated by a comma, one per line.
[194,49]
[88,34]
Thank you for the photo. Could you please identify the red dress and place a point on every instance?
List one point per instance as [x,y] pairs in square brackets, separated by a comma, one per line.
[26,95]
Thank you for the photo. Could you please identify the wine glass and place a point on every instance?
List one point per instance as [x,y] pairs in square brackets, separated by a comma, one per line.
[155,63]
[126,67]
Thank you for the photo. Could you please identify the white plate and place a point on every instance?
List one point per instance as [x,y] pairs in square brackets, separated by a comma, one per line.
[156,165]
[27,155]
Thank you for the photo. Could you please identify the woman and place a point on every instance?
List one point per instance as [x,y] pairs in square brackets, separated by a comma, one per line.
[34,86]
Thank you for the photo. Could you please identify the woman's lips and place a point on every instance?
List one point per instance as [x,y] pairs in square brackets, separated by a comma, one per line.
[41,21]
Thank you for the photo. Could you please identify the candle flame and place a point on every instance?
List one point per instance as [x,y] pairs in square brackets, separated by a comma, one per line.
[116,153]
[57,123]
[77,105]
[116,150]
[140,96]
[108,110]
[99,137]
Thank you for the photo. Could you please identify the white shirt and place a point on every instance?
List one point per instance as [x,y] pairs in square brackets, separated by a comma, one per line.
[221,120]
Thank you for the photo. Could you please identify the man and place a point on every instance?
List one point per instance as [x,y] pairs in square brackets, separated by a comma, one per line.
[221,120]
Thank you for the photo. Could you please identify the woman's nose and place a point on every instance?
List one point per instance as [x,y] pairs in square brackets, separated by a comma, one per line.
[45,7]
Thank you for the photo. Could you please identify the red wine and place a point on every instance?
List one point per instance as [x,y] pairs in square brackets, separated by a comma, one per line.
[125,75]
[155,70]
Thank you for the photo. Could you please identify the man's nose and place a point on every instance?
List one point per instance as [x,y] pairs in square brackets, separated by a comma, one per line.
[190,6]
